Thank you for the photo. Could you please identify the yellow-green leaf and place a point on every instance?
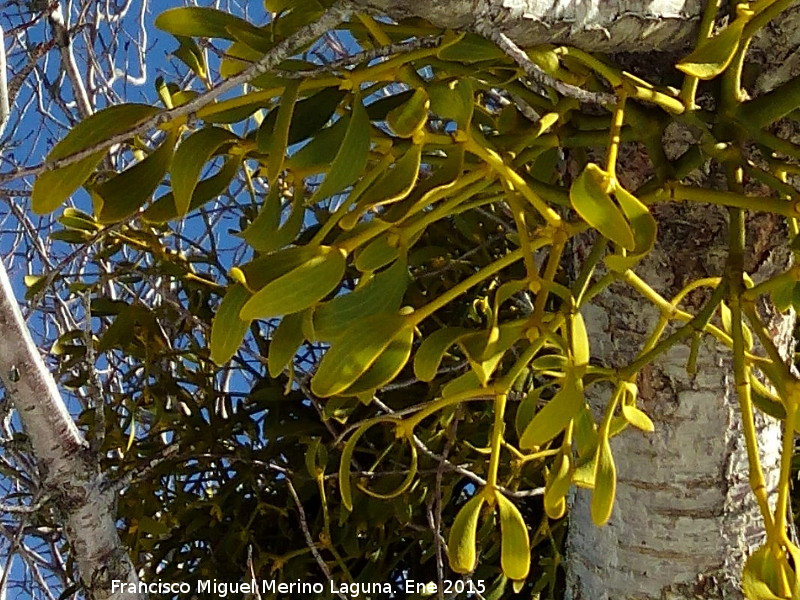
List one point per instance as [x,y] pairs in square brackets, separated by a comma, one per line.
[579,339]
[300,288]
[760,575]
[377,253]
[318,154]
[393,185]
[592,201]
[286,339]
[357,349]
[462,542]
[605,483]
[527,409]
[638,418]
[72,218]
[642,222]
[122,195]
[273,138]
[381,293]
[557,486]
[411,116]
[461,384]
[644,230]
[309,116]
[713,55]
[515,552]
[163,209]
[469,49]
[228,330]
[556,414]
[266,233]
[386,366]
[263,270]
[430,353]
[351,158]
[51,188]
[189,160]
[196,21]
[453,100]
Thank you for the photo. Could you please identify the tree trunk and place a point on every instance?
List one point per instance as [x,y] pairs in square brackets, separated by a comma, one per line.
[684,518]
[71,474]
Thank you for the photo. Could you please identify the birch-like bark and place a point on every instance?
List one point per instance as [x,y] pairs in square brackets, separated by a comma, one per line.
[685,518]
[71,473]
[598,25]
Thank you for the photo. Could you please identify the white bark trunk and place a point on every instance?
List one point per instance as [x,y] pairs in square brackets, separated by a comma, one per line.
[71,474]
[685,518]
[601,25]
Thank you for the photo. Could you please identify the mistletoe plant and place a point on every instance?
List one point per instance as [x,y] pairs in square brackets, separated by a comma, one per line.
[356,171]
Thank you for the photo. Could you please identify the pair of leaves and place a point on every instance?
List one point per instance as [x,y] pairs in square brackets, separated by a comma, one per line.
[626,221]
[515,544]
[293,280]
[266,233]
[484,349]
[164,208]
[122,195]
[369,354]
[763,572]
[53,187]
[300,287]
[380,294]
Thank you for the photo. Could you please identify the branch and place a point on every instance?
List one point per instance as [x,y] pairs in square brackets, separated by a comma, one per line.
[72,476]
[332,18]
[5,109]
[536,73]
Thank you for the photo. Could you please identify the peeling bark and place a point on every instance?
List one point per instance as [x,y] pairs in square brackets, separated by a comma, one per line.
[71,474]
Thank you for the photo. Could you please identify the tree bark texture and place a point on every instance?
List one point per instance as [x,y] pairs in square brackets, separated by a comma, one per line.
[601,25]
[685,517]
[71,474]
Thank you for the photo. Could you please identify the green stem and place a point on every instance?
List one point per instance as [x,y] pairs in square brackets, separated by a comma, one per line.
[498,429]
[678,191]
[740,370]
[501,263]
[770,107]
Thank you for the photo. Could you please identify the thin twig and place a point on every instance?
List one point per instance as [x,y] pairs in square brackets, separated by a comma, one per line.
[536,73]
[307,534]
